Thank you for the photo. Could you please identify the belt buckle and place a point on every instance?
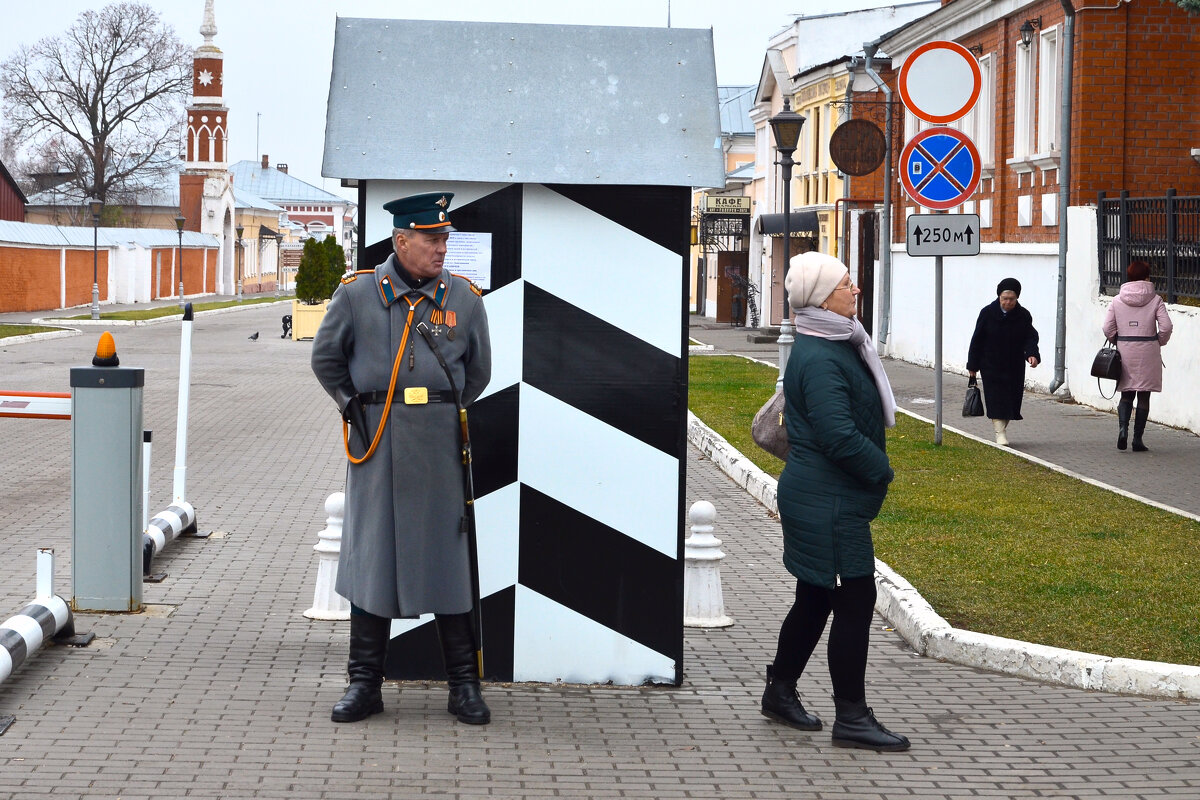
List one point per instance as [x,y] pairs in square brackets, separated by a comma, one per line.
[416,396]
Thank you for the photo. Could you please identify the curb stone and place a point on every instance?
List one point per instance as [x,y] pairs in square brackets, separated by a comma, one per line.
[930,635]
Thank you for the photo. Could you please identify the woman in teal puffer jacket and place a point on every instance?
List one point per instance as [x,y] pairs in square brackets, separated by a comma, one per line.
[838,401]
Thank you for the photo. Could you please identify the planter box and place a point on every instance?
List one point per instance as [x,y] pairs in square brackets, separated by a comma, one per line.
[306,319]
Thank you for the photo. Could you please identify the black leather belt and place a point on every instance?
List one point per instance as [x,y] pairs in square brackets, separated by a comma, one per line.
[1137,338]
[407,397]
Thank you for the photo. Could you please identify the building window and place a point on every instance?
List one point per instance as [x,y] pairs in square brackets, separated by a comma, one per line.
[1023,99]
[980,121]
[1049,90]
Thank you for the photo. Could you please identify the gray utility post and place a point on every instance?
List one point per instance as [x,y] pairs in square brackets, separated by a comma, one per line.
[106,478]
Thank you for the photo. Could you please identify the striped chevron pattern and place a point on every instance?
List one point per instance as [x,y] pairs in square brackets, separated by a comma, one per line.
[22,634]
[579,440]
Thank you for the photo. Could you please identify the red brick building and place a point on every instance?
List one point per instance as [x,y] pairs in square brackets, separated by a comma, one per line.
[12,199]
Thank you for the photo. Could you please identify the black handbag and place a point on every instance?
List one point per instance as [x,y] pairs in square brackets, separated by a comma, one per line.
[973,402]
[1107,363]
[1107,366]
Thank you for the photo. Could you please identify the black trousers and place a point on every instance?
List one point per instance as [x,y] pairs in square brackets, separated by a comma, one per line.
[852,605]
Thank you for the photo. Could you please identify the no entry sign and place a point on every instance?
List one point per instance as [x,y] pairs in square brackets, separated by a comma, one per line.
[939,168]
[940,81]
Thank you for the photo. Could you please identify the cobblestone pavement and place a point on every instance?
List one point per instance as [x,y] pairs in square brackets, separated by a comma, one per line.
[223,689]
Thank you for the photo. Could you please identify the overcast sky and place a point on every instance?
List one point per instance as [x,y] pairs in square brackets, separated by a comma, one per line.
[278,55]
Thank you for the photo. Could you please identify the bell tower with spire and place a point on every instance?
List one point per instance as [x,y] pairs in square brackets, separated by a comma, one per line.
[206,185]
[208,118]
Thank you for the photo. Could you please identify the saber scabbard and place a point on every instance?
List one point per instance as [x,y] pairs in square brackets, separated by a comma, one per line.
[468,520]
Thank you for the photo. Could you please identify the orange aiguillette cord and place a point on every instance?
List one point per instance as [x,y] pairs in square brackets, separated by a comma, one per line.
[387,408]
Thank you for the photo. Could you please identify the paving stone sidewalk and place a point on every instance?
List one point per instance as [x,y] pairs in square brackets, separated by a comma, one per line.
[223,689]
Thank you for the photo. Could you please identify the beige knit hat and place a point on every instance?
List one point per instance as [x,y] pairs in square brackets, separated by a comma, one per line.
[812,277]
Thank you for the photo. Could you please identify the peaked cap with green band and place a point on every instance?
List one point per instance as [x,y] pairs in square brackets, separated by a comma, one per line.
[423,212]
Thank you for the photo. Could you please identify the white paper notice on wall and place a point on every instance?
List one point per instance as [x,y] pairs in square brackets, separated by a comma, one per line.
[470,255]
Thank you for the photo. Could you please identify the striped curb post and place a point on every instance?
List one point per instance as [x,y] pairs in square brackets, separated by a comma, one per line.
[180,516]
[47,617]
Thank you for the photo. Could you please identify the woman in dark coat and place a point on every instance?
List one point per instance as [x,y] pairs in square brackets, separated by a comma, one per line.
[838,401]
[1003,343]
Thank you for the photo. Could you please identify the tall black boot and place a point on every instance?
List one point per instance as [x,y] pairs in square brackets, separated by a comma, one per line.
[781,703]
[462,670]
[855,726]
[1124,409]
[369,636]
[1139,427]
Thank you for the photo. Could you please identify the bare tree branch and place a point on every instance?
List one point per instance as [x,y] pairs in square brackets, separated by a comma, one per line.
[107,97]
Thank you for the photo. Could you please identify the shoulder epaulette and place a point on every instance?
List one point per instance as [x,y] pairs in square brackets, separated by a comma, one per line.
[352,277]
[470,283]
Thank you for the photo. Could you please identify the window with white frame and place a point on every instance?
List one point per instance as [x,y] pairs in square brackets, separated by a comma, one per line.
[762,136]
[1023,99]
[983,116]
[813,148]
[1049,90]
[827,122]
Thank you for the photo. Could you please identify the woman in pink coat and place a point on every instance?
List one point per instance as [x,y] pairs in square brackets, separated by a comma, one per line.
[1138,322]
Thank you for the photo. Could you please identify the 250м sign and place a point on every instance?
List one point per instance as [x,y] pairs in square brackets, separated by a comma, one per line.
[943,235]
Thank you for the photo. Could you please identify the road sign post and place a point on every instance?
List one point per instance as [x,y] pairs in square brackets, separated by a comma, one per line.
[940,82]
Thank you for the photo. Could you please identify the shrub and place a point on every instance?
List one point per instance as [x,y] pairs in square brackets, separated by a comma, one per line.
[321,268]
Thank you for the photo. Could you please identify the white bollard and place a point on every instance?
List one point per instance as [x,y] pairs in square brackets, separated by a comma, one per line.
[703,601]
[327,603]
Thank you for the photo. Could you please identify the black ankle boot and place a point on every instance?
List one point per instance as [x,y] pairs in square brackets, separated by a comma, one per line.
[1124,409]
[781,703]
[856,726]
[462,669]
[369,636]
[1139,427]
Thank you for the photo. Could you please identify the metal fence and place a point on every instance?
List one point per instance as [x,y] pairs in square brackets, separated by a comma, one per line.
[1162,231]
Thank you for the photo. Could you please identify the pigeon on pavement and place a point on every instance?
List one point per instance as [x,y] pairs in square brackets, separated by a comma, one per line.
[253,336]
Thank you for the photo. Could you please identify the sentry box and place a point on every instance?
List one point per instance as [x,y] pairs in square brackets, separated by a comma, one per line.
[106,480]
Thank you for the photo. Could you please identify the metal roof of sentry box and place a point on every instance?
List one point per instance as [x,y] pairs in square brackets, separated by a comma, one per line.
[519,103]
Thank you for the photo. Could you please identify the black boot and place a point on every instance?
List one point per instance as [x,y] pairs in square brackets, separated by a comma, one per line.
[781,703]
[1124,409]
[856,726]
[369,636]
[1139,427]
[462,669]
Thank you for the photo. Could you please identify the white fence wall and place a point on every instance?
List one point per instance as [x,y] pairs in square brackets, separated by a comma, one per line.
[970,283]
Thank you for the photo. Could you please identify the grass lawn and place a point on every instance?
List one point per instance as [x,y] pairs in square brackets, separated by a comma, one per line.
[22,330]
[1000,545]
[172,310]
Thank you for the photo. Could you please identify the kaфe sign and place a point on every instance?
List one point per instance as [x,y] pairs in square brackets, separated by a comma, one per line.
[940,166]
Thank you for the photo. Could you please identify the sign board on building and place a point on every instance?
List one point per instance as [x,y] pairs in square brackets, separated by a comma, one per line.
[857,147]
[726,204]
[943,235]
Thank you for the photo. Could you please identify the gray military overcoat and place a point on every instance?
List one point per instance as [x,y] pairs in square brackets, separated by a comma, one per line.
[403,553]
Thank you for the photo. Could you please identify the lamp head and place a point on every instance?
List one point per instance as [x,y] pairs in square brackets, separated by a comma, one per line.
[785,126]
[1026,30]
[179,220]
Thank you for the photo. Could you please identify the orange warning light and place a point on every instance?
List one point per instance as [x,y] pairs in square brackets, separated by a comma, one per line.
[106,352]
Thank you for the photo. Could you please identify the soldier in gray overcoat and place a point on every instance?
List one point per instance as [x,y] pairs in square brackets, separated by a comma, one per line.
[404,548]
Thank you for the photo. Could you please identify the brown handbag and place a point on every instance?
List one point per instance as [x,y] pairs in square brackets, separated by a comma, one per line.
[768,428]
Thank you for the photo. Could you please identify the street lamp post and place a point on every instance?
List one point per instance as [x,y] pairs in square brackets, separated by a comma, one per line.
[239,230]
[786,127]
[179,220]
[96,207]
